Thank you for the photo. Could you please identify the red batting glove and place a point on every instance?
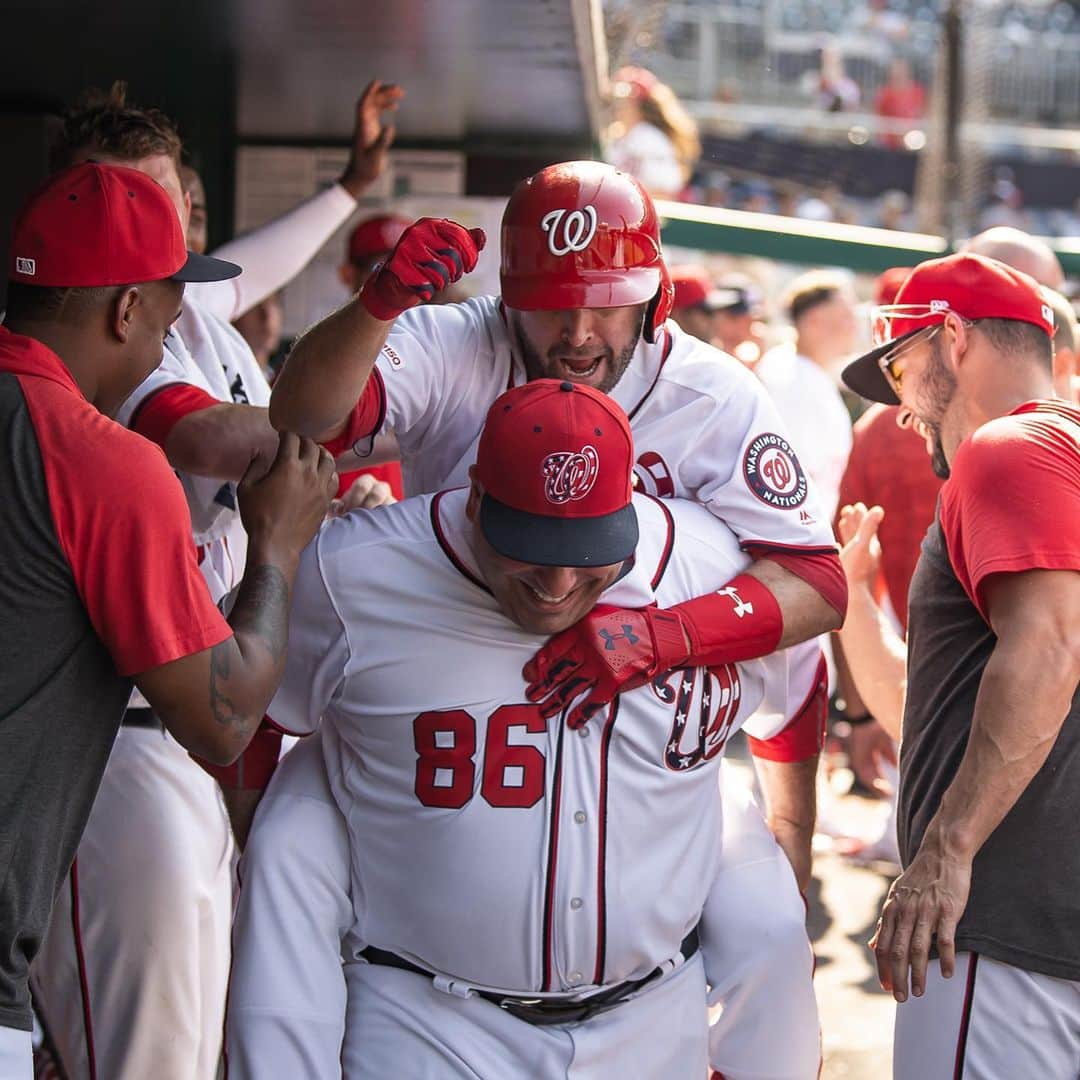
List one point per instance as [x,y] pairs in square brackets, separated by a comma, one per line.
[431,254]
[610,650]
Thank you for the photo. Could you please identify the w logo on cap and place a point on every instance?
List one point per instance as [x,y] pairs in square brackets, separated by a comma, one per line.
[568,476]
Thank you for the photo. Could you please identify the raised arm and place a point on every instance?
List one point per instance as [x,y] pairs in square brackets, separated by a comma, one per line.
[273,254]
[214,700]
[875,653]
[329,367]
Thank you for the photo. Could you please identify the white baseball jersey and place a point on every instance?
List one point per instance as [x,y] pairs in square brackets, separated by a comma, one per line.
[808,399]
[704,428]
[596,848]
[202,350]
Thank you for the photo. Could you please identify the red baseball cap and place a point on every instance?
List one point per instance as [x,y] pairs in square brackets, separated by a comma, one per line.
[693,288]
[888,284]
[94,225]
[971,286]
[376,236]
[555,461]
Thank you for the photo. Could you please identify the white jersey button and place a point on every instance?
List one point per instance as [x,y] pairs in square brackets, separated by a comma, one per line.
[574,978]
[576,903]
[580,817]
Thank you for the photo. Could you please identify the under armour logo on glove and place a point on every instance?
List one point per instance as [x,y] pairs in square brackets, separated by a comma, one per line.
[609,651]
[431,254]
[742,607]
[627,635]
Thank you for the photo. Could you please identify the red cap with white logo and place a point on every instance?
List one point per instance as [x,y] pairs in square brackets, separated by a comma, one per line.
[97,225]
[971,286]
[556,462]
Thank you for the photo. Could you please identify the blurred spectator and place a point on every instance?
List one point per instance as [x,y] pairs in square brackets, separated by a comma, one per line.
[802,378]
[260,327]
[368,245]
[901,98]
[1021,251]
[894,211]
[814,208]
[1006,206]
[653,137]
[888,284]
[889,467]
[833,89]
[192,186]
[738,318]
[878,21]
[1066,339]
[694,302]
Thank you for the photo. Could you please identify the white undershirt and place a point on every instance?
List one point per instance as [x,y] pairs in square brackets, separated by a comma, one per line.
[273,254]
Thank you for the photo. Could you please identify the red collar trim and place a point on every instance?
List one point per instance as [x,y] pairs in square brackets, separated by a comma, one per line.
[444,542]
[22,355]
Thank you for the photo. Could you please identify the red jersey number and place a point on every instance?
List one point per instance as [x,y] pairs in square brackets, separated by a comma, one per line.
[445,742]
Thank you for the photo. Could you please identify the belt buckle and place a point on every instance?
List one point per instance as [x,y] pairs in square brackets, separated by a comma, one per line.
[539,1011]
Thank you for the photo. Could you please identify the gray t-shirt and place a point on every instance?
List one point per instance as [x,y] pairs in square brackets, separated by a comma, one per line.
[1024,907]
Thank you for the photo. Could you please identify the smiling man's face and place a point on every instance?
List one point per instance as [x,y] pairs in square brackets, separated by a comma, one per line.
[591,346]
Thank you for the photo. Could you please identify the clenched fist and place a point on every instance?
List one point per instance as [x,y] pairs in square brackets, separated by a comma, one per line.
[431,254]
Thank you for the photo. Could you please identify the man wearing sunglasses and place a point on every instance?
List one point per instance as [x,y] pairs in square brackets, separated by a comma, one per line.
[990,761]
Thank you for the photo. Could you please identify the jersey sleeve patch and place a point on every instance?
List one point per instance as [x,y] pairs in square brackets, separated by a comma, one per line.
[772,472]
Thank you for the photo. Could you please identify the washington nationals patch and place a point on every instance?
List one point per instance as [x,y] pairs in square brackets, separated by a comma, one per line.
[773,472]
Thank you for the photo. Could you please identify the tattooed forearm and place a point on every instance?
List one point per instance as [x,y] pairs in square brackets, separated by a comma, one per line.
[262,608]
[260,619]
[221,705]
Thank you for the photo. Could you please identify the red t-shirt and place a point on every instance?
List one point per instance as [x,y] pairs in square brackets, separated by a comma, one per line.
[1012,502]
[889,467]
[120,517]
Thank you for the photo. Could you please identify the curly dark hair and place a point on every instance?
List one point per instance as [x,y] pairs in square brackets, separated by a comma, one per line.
[105,121]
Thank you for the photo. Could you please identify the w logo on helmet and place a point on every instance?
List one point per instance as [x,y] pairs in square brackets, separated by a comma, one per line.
[571,231]
[569,477]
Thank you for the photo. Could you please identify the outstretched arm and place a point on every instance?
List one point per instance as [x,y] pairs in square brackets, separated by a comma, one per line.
[273,254]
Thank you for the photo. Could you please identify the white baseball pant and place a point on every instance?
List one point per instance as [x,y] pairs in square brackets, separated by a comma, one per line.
[989,1021]
[16,1054]
[287,1001]
[142,923]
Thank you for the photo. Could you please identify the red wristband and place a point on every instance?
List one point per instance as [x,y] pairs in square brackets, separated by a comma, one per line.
[252,770]
[741,621]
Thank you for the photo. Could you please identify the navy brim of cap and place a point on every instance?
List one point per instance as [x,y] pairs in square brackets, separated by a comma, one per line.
[205,268]
[558,541]
[866,378]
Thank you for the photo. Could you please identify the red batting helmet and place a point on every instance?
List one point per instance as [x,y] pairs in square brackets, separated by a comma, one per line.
[376,236]
[584,235]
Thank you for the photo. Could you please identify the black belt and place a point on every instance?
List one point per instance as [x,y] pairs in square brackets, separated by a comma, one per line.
[141,717]
[545,1010]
